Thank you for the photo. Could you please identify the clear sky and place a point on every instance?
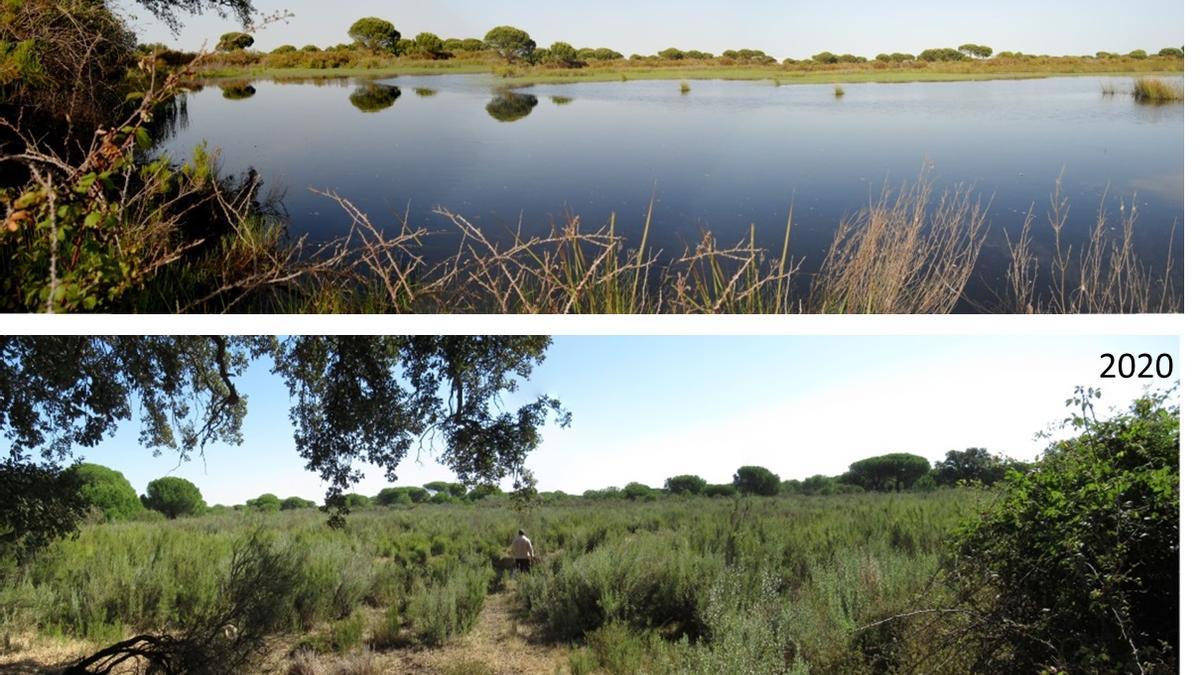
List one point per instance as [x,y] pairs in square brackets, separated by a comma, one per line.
[783,28]
[647,408]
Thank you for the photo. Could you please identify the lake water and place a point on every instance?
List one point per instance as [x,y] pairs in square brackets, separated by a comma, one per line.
[720,158]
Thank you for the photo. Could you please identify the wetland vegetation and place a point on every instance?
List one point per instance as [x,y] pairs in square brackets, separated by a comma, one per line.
[161,206]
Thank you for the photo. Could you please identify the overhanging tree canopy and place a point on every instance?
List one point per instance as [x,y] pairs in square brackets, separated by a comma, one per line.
[168,10]
[369,399]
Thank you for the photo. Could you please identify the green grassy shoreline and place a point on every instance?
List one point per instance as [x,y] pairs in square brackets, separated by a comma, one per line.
[564,76]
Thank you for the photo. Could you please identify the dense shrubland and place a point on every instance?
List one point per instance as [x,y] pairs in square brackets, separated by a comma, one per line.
[1072,564]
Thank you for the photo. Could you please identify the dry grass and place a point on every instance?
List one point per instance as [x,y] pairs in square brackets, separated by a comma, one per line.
[906,253]
[569,271]
[1154,90]
[361,662]
[29,653]
[1103,276]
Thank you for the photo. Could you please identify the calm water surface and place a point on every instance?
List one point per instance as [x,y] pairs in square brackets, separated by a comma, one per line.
[727,155]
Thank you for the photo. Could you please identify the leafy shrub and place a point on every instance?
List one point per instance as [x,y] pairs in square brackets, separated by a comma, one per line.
[756,480]
[266,502]
[388,631]
[635,491]
[440,610]
[644,581]
[230,42]
[749,624]
[293,503]
[1077,569]
[107,490]
[394,496]
[374,34]
[333,582]
[347,634]
[174,497]
[685,485]
[721,490]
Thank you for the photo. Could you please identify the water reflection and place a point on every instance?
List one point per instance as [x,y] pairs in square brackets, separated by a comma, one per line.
[425,92]
[373,98]
[509,106]
[732,157]
[561,100]
[238,91]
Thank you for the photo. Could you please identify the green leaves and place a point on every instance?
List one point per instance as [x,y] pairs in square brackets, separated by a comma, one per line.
[1078,567]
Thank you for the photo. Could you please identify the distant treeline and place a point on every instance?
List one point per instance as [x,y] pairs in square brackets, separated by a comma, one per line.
[112,497]
[378,37]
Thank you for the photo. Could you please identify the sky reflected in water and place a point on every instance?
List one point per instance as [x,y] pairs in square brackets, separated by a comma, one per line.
[724,156]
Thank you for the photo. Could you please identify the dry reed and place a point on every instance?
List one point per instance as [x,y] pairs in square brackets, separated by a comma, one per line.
[903,254]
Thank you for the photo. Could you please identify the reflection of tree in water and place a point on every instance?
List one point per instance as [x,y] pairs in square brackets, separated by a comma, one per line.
[424,92]
[170,119]
[238,91]
[510,107]
[561,100]
[372,98]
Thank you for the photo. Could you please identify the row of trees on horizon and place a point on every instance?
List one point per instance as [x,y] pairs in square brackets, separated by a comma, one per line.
[379,36]
[113,498]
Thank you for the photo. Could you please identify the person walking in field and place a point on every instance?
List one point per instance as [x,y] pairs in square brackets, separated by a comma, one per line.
[522,551]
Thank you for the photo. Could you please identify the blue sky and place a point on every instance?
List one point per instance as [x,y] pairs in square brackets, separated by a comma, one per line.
[647,408]
[782,28]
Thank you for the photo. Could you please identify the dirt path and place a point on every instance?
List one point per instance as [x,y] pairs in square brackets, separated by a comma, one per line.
[500,642]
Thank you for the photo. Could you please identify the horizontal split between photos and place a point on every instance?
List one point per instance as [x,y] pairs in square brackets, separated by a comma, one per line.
[496,504]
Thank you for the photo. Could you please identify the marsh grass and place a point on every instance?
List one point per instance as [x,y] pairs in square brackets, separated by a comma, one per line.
[912,250]
[906,253]
[1154,90]
[1103,274]
[570,270]
[838,91]
[685,88]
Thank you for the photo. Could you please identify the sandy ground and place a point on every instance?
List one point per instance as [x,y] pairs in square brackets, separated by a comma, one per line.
[500,643]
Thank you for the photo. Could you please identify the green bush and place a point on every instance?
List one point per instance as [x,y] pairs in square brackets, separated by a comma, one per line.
[394,496]
[374,34]
[347,634]
[173,497]
[636,491]
[644,581]
[439,611]
[230,42]
[265,502]
[1077,569]
[428,45]
[756,480]
[107,490]
[685,485]
[512,44]
[294,503]
[720,490]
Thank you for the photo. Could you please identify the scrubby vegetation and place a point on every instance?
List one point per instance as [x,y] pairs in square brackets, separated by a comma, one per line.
[1069,564]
